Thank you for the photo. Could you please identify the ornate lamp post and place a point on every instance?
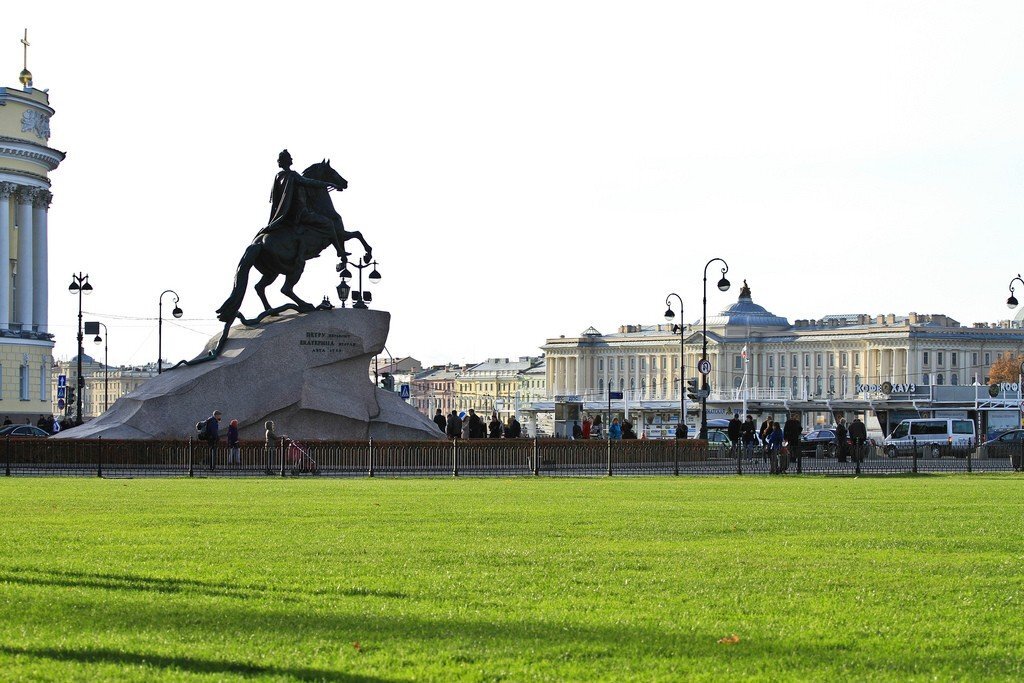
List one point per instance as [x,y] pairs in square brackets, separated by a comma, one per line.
[1012,301]
[160,328]
[669,316]
[79,285]
[359,296]
[723,285]
[93,327]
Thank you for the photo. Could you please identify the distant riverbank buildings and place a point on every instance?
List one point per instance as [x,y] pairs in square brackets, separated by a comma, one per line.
[892,366]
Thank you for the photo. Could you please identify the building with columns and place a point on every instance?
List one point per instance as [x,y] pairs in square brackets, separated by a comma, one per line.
[26,159]
[817,367]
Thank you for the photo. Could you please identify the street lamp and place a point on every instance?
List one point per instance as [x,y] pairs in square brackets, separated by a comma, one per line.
[723,285]
[669,316]
[1012,301]
[359,296]
[160,328]
[93,327]
[79,285]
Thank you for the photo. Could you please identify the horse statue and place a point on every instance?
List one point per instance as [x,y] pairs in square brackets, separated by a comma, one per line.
[303,223]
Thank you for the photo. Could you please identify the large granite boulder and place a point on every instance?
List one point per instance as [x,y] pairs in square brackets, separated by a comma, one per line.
[306,372]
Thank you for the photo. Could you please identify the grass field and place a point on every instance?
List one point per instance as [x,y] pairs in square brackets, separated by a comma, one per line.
[819,578]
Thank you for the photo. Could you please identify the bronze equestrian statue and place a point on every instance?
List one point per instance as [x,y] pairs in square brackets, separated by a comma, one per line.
[302,224]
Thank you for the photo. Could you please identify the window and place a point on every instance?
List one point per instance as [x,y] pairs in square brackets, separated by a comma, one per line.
[622,364]
[664,387]
[842,359]
[622,384]
[925,379]
[771,361]
[782,361]
[831,384]
[600,364]
[856,358]
[632,363]
[952,359]
[807,360]
[632,383]
[817,359]
[643,363]
[738,362]
[782,383]
[939,380]
[23,382]
[831,360]
[939,358]
[44,394]
[954,380]
[736,381]
[796,361]
[771,382]
[818,386]
[924,358]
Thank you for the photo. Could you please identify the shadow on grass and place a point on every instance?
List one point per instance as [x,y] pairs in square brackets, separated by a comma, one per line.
[189,664]
[134,582]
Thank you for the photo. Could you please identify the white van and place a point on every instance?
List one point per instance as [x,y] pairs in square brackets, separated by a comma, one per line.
[931,436]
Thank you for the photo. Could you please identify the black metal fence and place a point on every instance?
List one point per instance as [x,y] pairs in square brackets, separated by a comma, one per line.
[484,457]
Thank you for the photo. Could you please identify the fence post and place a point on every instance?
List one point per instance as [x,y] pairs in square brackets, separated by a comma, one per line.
[190,456]
[7,452]
[675,456]
[455,457]
[739,462]
[970,443]
[281,447]
[609,457]
[913,440]
[799,458]
[856,459]
[370,456]
[536,457]
[99,459]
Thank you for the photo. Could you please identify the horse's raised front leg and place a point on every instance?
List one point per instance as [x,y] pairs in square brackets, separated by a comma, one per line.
[288,290]
[261,288]
[359,236]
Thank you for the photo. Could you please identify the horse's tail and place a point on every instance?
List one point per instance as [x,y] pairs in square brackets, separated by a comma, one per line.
[229,309]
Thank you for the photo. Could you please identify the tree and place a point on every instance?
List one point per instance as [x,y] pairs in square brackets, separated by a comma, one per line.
[1005,369]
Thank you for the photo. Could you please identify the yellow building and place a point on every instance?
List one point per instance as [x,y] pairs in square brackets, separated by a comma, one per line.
[26,345]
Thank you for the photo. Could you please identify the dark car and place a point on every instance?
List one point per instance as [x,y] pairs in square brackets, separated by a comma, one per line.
[810,441]
[23,430]
[1006,444]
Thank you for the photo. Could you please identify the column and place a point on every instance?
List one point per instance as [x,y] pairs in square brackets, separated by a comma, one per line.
[23,307]
[40,300]
[6,190]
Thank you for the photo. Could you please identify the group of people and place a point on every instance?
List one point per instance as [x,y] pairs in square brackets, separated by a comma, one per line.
[778,441]
[210,433]
[48,423]
[472,426]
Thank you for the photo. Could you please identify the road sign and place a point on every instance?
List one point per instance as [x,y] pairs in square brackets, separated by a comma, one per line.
[62,380]
[60,404]
[703,393]
[704,366]
[62,392]
[405,392]
[614,395]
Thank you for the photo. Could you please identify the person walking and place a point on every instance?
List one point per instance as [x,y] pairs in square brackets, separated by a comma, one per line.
[271,445]
[494,427]
[859,436]
[615,430]
[841,432]
[577,431]
[439,420]
[597,429]
[774,441]
[477,428]
[682,431]
[734,431]
[453,427]
[749,437]
[792,432]
[212,434]
[234,456]
[587,424]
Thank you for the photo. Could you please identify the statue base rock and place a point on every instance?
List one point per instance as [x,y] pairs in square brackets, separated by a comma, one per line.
[306,372]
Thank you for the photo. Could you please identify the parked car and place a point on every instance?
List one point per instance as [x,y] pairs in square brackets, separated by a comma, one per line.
[1006,444]
[932,435]
[23,430]
[810,441]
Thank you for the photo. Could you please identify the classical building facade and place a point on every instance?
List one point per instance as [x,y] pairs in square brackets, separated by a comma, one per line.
[26,344]
[496,385]
[757,356]
[103,385]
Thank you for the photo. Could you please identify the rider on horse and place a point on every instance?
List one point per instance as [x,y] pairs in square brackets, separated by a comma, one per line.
[288,206]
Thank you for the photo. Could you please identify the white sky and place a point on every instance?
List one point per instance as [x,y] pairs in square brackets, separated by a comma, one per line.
[528,169]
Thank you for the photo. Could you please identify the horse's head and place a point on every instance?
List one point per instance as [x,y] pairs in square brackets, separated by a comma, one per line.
[323,171]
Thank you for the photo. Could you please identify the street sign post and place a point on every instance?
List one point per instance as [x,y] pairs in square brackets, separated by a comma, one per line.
[704,366]
[405,392]
[60,404]
[62,380]
[62,393]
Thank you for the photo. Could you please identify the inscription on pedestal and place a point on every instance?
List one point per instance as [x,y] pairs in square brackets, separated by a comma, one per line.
[328,342]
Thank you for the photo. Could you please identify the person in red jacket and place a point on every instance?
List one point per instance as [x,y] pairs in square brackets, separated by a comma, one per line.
[586,427]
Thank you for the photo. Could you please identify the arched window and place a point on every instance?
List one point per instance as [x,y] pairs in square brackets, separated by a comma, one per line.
[664,387]
[622,384]
[954,380]
[736,382]
[856,382]
[632,383]
[831,384]
[23,382]
[782,383]
[771,382]
[939,380]
[600,385]
[925,379]
[819,385]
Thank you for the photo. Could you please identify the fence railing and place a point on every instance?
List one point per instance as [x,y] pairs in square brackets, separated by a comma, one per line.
[485,457]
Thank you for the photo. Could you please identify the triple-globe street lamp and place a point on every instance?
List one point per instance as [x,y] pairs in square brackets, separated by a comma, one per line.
[79,285]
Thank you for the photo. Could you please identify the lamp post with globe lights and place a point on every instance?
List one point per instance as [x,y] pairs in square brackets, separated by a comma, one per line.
[723,285]
[359,296]
[681,328]
[79,285]
[177,313]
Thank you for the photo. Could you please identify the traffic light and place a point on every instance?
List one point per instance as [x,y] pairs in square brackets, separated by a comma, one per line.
[387,381]
[691,389]
[71,397]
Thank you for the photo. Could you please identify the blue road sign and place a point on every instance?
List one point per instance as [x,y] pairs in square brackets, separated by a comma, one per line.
[62,392]
[614,395]
[60,404]
[405,392]
[62,380]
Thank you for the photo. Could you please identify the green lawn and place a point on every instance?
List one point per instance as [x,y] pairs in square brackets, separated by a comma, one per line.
[820,578]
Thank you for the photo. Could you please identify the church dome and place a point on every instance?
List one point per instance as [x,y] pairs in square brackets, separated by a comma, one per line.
[746,313]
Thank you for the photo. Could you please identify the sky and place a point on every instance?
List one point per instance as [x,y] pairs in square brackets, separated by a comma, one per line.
[526,170]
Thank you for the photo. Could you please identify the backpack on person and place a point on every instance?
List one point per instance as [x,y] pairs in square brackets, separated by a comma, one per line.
[201,428]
